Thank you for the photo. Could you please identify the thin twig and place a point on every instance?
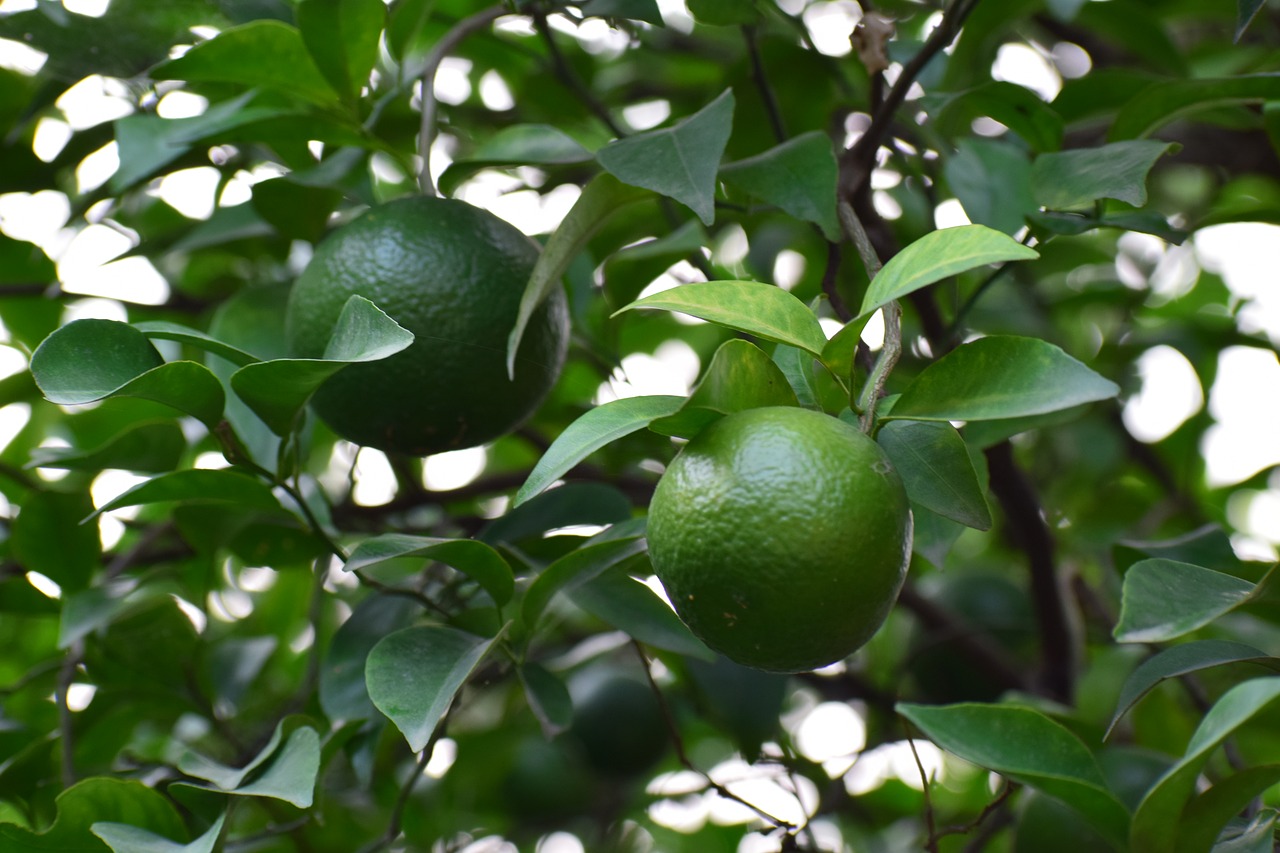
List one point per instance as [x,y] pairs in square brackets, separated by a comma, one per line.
[442,48]
[66,675]
[402,801]
[677,743]
[571,80]
[1006,790]
[852,227]
[762,84]
[830,276]
[892,347]
[931,843]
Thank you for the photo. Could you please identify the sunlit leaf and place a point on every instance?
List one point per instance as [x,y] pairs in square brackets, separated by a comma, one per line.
[342,38]
[739,377]
[798,176]
[1164,599]
[198,485]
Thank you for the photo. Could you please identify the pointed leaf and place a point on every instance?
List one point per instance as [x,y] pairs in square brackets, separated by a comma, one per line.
[739,377]
[123,838]
[342,38]
[284,769]
[164,330]
[632,607]
[564,506]
[1258,836]
[589,433]
[938,255]
[1001,376]
[548,698]
[474,559]
[277,390]
[935,467]
[1205,816]
[1164,599]
[152,447]
[1027,747]
[798,176]
[517,145]
[754,307]
[575,568]
[88,802]
[200,485]
[600,199]
[1158,818]
[343,695]
[992,180]
[1066,180]
[680,161]
[1165,102]
[47,537]
[264,53]
[413,675]
[1180,660]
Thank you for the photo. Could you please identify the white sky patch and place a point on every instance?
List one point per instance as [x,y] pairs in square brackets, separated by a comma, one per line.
[788,269]
[79,696]
[560,842]
[12,360]
[96,169]
[50,137]
[831,730]
[894,761]
[13,418]
[1170,394]
[88,8]
[190,191]
[453,80]
[646,114]
[793,799]
[1256,513]
[949,214]
[873,332]
[45,585]
[375,481]
[181,104]
[1244,253]
[87,268]
[672,369]
[16,56]
[93,100]
[35,217]
[1025,66]
[494,92]
[453,470]
[675,14]
[1244,440]
[830,24]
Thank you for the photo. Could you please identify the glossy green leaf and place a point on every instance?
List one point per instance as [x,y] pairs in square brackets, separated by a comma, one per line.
[1156,822]
[343,694]
[935,467]
[517,145]
[564,506]
[1161,103]
[992,180]
[152,447]
[600,199]
[164,330]
[47,537]
[342,38]
[1164,599]
[268,54]
[277,390]
[122,838]
[1180,660]
[1208,812]
[576,567]
[1000,377]
[1016,107]
[938,255]
[839,353]
[741,376]
[681,161]
[297,211]
[630,606]
[1067,180]
[631,269]
[636,10]
[285,769]
[754,307]
[413,675]
[91,801]
[548,698]
[798,176]
[1027,747]
[593,430]
[200,485]
[474,559]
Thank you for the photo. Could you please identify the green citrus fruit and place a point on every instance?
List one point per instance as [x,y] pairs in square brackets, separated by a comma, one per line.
[782,536]
[619,723]
[453,275]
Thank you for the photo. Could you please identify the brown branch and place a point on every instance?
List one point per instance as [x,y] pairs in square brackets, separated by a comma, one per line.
[571,80]
[762,84]
[978,647]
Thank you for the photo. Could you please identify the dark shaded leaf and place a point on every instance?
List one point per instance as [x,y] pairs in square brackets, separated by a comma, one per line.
[1067,180]
[798,176]
[935,467]
[474,559]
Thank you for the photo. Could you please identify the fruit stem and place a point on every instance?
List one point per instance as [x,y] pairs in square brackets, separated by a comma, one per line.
[892,348]
[442,48]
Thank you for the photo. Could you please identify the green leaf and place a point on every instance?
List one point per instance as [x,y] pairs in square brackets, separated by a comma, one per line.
[277,390]
[122,838]
[1000,377]
[47,537]
[342,37]
[632,607]
[563,506]
[636,10]
[938,255]
[601,198]
[596,428]
[548,698]
[1180,660]
[798,176]
[680,161]
[1256,837]
[575,568]
[517,145]
[296,210]
[267,54]
[631,269]
[1205,816]
[164,330]
[197,485]
[1067,180]
[92,801]
[724,13]
[413,675]
[754,307]
[1164,599]
[1165,102]
[839,352]
[935,467]
[152,447]
[87,610]
[1157,820]
[1016,107]
[1246,10]
[992,180]
[343,694]
[740,376]
[1027,747]
[285,769]
[474,559]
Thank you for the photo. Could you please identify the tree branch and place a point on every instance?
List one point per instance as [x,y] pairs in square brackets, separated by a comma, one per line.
[571,80]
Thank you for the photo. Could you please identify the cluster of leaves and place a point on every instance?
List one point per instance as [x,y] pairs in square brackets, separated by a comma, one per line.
[273,666]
